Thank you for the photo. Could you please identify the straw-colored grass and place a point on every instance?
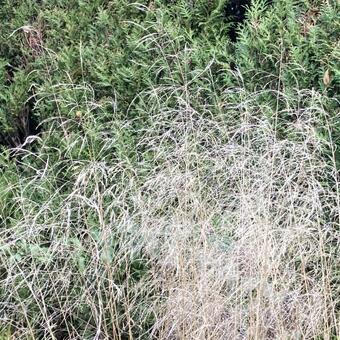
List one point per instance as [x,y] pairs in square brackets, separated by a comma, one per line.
[227,232]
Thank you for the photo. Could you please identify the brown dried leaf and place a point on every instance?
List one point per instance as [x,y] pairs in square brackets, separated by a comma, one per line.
[326,78]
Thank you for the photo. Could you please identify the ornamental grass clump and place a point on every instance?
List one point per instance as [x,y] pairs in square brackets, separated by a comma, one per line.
[174,184]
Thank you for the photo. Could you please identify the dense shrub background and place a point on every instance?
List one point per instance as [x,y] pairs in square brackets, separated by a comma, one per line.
[81,82]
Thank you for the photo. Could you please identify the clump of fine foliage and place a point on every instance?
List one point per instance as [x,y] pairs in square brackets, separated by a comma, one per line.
[159,181]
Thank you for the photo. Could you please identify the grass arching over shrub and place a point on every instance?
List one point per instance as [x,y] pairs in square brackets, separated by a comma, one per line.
[170,195]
